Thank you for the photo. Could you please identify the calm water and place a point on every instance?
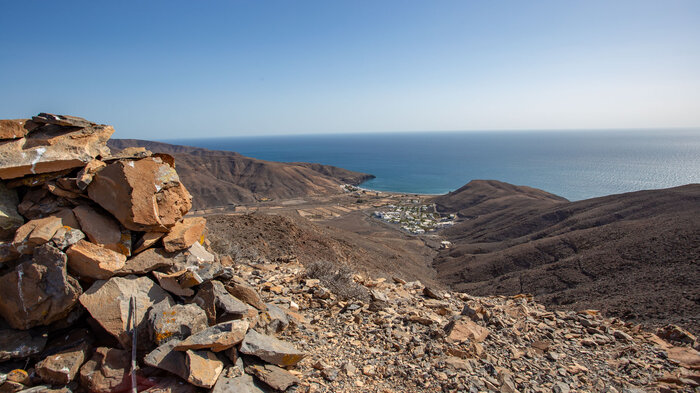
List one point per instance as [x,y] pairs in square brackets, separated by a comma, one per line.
[573,164]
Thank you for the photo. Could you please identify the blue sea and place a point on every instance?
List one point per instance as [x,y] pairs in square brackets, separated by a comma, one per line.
[573,164]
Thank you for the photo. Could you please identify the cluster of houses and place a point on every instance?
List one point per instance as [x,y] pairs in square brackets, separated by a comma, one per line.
[415,218]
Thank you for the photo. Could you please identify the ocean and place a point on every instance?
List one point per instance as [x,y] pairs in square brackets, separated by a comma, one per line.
[573,164]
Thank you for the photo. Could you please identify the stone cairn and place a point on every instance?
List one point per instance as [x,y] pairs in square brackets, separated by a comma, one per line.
[105,286]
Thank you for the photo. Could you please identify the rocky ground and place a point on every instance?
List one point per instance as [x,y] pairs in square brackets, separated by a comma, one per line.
[411,338]
[106,286]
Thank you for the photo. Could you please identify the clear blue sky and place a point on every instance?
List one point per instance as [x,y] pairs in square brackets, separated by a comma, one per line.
[177,69]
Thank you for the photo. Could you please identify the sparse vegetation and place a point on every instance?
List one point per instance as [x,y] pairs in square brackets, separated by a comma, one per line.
[337,277]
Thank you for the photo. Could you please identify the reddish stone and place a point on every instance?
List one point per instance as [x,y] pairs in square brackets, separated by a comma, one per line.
[144,195]
[185,233]
[17,128]
[103,230]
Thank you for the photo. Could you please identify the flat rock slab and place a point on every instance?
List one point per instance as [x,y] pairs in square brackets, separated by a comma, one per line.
[108,302]
[273,376]
[147,261]
[38,292]
[177,322]
[171,385]
[216,338]
[90,260]
[107,371]
[18,344]
[61,120]
[203,368]
[52,148]
[270,349]
[144,195]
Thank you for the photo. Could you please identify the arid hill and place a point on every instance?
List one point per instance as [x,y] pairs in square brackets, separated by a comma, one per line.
[220,178]
[272,237]
[632,255]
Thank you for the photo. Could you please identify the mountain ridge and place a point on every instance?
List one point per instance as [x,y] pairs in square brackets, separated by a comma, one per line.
[633,255]
[222,178]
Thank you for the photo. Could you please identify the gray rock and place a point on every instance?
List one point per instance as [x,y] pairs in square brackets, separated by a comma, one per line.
[270,349]
[275,319]
[18,344]
[216,338]
[176,322]
[213,298]
[66,237]
[165,357]
[560,387]
[237,384]
[61,120]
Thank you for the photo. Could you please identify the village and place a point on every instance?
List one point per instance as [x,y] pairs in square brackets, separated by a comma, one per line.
[415,217]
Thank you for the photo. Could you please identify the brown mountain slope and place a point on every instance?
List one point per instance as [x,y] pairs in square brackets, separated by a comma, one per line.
[219,178]
[275,237]
[633,255]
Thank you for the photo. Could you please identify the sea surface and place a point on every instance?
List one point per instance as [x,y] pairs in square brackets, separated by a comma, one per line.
[573,164]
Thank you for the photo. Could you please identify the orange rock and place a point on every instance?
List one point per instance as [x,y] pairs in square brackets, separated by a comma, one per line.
[34,233]
[103,230]
[204,368]
[93,261]
[86,175]
[144,195]
[185,233]
[466,329]
[17,128]
[147,240]
[108,303]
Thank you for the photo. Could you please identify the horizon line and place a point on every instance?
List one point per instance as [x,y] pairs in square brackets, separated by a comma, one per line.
[686,128]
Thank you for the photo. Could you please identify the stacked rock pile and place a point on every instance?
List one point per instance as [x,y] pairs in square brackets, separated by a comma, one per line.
[98,263]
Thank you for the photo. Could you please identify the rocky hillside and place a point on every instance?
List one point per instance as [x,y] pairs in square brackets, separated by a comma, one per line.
[221,178]
[106,286]
[631,255]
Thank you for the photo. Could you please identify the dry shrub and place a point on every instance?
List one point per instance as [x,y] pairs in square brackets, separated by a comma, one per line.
[337,277]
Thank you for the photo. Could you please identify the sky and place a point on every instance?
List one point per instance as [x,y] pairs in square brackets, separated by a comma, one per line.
[193,69]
